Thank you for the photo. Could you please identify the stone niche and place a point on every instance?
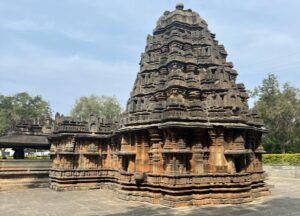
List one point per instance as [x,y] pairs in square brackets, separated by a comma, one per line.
[186,137]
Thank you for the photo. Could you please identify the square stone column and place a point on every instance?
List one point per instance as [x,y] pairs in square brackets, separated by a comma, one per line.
[217,162]
[155,151]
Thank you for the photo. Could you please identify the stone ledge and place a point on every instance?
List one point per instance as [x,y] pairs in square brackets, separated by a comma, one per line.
[22,174]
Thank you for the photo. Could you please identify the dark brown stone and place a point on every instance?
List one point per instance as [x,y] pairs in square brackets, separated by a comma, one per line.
[187,136]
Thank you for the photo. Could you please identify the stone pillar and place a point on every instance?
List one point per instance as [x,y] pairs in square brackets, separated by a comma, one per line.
[19,153]
[115,160]
[231,166]
[125,146]
[145,152]
[131,164]
[197,148]
[156,147]
[139,153]
[108,160]
[217,161]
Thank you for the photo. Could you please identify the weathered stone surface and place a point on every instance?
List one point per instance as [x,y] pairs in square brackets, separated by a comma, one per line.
[187,136]
[20,174]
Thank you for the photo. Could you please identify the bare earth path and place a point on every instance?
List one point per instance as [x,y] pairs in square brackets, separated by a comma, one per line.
[285,200]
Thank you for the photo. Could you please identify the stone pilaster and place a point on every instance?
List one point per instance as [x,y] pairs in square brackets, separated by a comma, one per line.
[155,151]
[197,149]
[142,156]
[217,161]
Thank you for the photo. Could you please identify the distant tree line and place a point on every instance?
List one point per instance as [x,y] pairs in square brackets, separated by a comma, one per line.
[279,107]
[20,106]
[23,106]
[103,106]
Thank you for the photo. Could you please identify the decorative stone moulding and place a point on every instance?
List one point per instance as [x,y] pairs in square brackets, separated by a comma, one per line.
[187,136]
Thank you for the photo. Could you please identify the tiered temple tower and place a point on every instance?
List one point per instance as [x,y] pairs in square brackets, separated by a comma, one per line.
[187,136]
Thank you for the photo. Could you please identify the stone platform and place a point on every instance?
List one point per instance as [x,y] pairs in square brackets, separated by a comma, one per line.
[285,200]
[22,174]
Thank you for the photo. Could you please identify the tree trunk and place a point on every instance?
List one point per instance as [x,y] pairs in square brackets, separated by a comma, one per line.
[283,146]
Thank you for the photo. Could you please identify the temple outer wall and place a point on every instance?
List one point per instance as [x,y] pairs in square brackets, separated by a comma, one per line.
[22,174]
[282,171]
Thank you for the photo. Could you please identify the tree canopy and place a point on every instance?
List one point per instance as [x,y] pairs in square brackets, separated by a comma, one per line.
[279,107]
[21,106]
[102,106]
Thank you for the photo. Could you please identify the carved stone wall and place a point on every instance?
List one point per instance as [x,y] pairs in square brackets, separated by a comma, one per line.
[82,153]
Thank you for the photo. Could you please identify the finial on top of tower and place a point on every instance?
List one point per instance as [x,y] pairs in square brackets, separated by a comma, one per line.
[179,6]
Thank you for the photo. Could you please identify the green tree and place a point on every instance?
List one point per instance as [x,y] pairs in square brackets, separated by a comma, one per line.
[21,106]
[102,106]
[279,107]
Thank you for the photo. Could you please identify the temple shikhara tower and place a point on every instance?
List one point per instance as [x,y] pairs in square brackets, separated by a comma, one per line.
[187,136]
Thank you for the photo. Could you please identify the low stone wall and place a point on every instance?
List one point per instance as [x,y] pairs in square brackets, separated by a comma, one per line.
[20,174]
[283,171]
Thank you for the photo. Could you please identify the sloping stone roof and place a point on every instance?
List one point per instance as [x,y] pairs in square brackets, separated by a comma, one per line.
[26,141]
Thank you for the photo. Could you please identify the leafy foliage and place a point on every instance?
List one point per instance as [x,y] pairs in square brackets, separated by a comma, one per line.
[281,159]
[21,106]
[280,110]
[102,106]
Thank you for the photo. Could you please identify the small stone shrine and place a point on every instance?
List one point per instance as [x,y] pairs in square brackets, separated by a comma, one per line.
[27,134]
[187,136]
[83,153]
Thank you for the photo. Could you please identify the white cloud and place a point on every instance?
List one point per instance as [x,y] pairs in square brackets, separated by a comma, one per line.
[75,68]
[62,78]
[29,25]
[26,25]
[267,37]
[78,35]
[54,65]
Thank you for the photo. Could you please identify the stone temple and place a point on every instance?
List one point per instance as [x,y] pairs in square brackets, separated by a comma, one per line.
[187,136]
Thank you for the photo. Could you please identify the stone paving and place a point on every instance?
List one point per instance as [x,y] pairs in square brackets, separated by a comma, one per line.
[285,200]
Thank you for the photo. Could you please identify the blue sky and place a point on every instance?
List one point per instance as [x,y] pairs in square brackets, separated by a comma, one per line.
[64,49]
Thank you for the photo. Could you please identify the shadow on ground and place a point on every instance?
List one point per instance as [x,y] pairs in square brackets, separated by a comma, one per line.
[282,206]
